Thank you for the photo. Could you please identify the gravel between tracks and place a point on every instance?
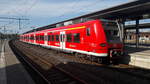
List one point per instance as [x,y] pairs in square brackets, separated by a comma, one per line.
[90,72]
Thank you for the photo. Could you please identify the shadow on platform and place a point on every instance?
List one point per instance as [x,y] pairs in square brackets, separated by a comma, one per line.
[16,74]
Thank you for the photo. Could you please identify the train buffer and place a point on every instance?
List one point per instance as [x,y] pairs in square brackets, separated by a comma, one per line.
[11,70]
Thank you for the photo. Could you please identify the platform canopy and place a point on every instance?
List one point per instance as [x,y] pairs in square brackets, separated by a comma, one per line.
[139,9]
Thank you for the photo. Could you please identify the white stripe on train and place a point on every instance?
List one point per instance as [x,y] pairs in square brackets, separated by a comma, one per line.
[73,50]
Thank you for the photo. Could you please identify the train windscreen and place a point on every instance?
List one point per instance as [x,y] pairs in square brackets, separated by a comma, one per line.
[112,31]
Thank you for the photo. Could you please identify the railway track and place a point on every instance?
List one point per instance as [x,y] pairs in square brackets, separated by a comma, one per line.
[53,76]
[91,72]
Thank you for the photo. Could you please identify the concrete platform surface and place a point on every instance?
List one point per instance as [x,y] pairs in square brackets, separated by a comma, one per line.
[13,71]
[138,56]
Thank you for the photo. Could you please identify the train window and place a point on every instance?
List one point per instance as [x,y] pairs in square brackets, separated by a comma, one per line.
[88,31]
[41,37]
[76,37]
[37,38]
[52,37]
[69,37]
[49,37]
[57,37]
[32,37]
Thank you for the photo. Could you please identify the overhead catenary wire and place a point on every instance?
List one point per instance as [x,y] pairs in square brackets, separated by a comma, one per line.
[31,6]
[16,10]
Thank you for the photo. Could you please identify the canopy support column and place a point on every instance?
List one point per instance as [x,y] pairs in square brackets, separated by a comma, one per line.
[137,33]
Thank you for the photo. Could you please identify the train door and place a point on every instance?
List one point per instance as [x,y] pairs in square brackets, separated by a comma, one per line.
[46,38]
[62,40]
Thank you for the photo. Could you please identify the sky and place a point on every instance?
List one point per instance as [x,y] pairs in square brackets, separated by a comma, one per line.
[44,12]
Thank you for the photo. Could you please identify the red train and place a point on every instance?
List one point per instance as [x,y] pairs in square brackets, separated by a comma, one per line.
[99,39]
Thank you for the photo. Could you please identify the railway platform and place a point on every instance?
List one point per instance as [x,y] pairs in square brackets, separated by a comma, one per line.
[138,56]
[11,70]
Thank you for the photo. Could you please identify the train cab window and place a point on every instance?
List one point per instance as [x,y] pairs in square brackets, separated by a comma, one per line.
[52,37]
[111,31]
[49,37]
[69,37]
[76,37]
[88,31]
[57,37]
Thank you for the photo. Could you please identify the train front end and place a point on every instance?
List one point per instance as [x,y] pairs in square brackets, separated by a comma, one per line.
[114,40]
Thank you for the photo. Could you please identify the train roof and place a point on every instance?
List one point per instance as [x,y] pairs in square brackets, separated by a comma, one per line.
[64,27]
